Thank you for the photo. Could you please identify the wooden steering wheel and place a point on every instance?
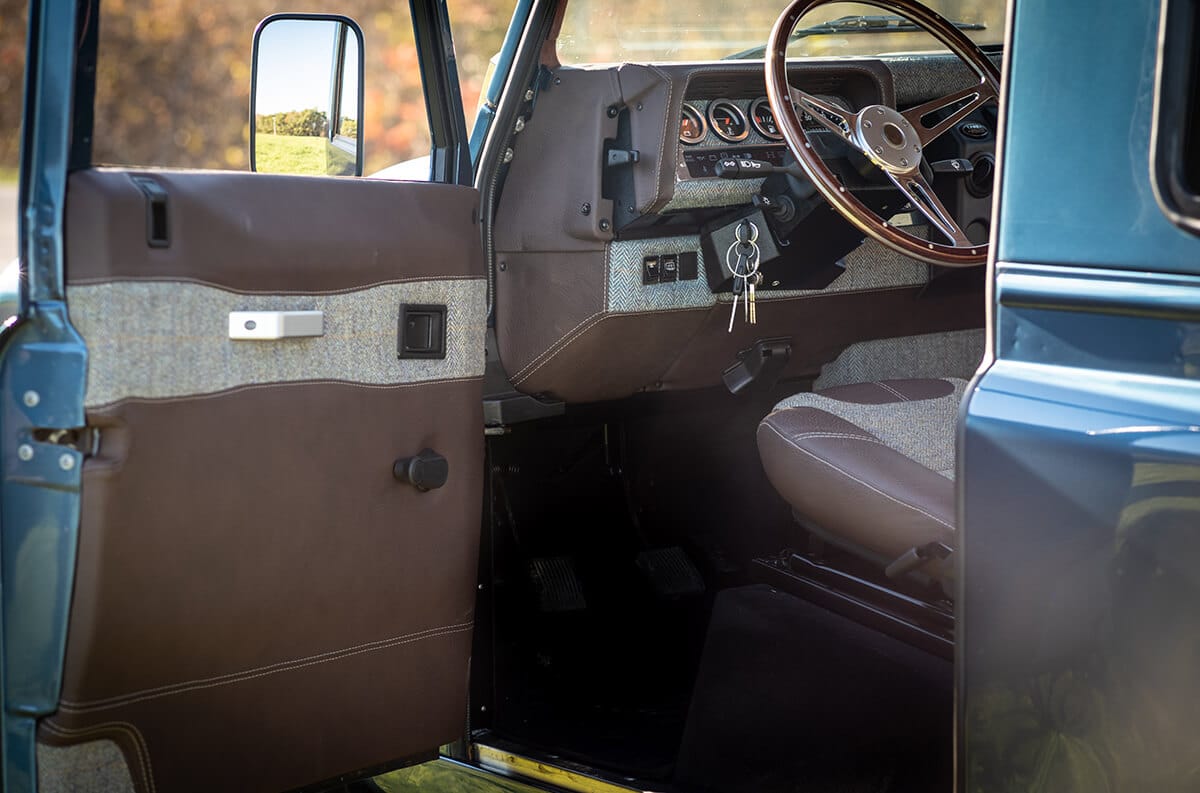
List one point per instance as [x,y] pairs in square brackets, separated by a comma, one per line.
[892,140]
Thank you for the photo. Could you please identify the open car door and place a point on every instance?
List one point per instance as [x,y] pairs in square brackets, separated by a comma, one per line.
[1079,636]
[263,590]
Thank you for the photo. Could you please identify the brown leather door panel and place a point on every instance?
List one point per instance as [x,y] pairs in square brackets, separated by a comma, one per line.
[259,604]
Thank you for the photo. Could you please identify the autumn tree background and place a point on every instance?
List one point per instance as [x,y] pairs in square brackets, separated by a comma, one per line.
[173,77]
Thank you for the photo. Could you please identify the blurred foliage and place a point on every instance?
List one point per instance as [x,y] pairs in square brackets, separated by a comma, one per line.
[173,77]
[600,31]
[12,77]
[293,122]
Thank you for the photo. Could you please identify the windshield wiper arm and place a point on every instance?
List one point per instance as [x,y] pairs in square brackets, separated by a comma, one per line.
[860,23]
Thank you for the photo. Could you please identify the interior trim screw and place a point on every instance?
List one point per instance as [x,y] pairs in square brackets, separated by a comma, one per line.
[508,155]
[585,208]
[25,452]
[612,111]
[528,94]
[31,399]
[604,224]
[66,462]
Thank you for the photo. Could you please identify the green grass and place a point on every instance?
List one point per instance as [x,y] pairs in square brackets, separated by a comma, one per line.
[301,156]
[8,175]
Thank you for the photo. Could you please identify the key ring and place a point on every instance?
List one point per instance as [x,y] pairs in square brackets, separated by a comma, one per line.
[750,258]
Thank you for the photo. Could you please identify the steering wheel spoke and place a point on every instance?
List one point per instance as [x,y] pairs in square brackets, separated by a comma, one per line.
[893,141]
[964,103]
[829,115]
[917,190]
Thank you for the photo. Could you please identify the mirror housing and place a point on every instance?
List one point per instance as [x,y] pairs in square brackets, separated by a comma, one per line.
[306,96]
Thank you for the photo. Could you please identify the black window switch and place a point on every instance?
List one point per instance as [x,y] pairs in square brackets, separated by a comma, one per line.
[422,331]
[689,266]
[650,270]
[668,265]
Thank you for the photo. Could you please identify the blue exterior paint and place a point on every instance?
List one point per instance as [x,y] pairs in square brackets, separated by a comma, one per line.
[1079,121]
[43,369]
[1079,636]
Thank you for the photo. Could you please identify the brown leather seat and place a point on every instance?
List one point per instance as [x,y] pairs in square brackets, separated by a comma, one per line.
[870,466]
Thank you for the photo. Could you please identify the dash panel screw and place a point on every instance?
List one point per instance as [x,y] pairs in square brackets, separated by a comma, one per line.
[25,452]
[31,399]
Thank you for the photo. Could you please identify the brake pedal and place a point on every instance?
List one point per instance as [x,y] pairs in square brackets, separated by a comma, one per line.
[670,572]
[557,585]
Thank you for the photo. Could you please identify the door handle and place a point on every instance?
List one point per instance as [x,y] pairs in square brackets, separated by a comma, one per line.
[268,325]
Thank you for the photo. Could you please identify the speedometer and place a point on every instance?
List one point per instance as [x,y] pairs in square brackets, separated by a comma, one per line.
[728,121]
[763,119]
[691,126]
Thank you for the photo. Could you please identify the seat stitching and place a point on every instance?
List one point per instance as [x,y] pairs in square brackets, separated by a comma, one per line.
[836,435]
[893,391]
[851,476]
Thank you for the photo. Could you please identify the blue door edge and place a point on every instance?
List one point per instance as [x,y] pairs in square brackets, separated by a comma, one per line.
[43,370]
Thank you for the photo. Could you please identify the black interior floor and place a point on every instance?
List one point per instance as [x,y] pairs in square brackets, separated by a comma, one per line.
[790,697]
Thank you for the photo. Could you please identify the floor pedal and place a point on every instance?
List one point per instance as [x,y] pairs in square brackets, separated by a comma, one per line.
[670,572]
[557,585]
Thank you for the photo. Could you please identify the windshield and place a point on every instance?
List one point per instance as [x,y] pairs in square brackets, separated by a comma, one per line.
[600,31]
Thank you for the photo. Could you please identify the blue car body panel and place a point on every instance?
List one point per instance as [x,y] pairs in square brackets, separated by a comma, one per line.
[1079,638]
[43,370]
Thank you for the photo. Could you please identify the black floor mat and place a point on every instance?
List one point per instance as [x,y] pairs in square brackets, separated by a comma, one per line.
[790,698]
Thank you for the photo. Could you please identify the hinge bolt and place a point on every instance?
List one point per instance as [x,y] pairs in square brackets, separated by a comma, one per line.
[25,452]
[66,462]
[31,399]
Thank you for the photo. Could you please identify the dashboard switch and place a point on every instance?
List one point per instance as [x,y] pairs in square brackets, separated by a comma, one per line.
[650,270]
[668,268]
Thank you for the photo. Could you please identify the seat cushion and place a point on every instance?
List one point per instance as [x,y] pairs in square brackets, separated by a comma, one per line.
[869,465]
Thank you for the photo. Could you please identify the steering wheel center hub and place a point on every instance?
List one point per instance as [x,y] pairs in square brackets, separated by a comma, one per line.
[888,139]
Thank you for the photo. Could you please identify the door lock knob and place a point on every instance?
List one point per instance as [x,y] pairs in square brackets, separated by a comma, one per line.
[426,471]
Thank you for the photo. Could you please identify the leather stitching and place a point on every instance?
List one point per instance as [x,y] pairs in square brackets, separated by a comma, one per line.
[262,671]
[527,371]
[283,384]
[599,317]
[893,392]
[143,751]
[662,146]
[850,436]
[854,478]
[268,292]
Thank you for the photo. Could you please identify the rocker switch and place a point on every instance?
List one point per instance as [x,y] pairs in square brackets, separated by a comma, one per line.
[422,331]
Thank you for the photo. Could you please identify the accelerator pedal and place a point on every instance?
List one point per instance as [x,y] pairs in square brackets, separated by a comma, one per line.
[670,572]
[557,585]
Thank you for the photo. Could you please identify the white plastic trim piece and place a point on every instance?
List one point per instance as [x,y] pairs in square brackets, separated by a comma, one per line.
[270,325]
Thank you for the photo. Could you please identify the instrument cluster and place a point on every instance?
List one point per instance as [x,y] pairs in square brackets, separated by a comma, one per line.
[721,121]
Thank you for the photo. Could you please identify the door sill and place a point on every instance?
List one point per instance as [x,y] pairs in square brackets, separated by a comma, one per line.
[551,772]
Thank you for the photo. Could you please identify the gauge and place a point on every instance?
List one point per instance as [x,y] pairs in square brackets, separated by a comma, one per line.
[810,124]
[692,127]
[728,120]
[763,119]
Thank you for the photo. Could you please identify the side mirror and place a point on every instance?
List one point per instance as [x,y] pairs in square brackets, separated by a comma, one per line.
[306,96]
